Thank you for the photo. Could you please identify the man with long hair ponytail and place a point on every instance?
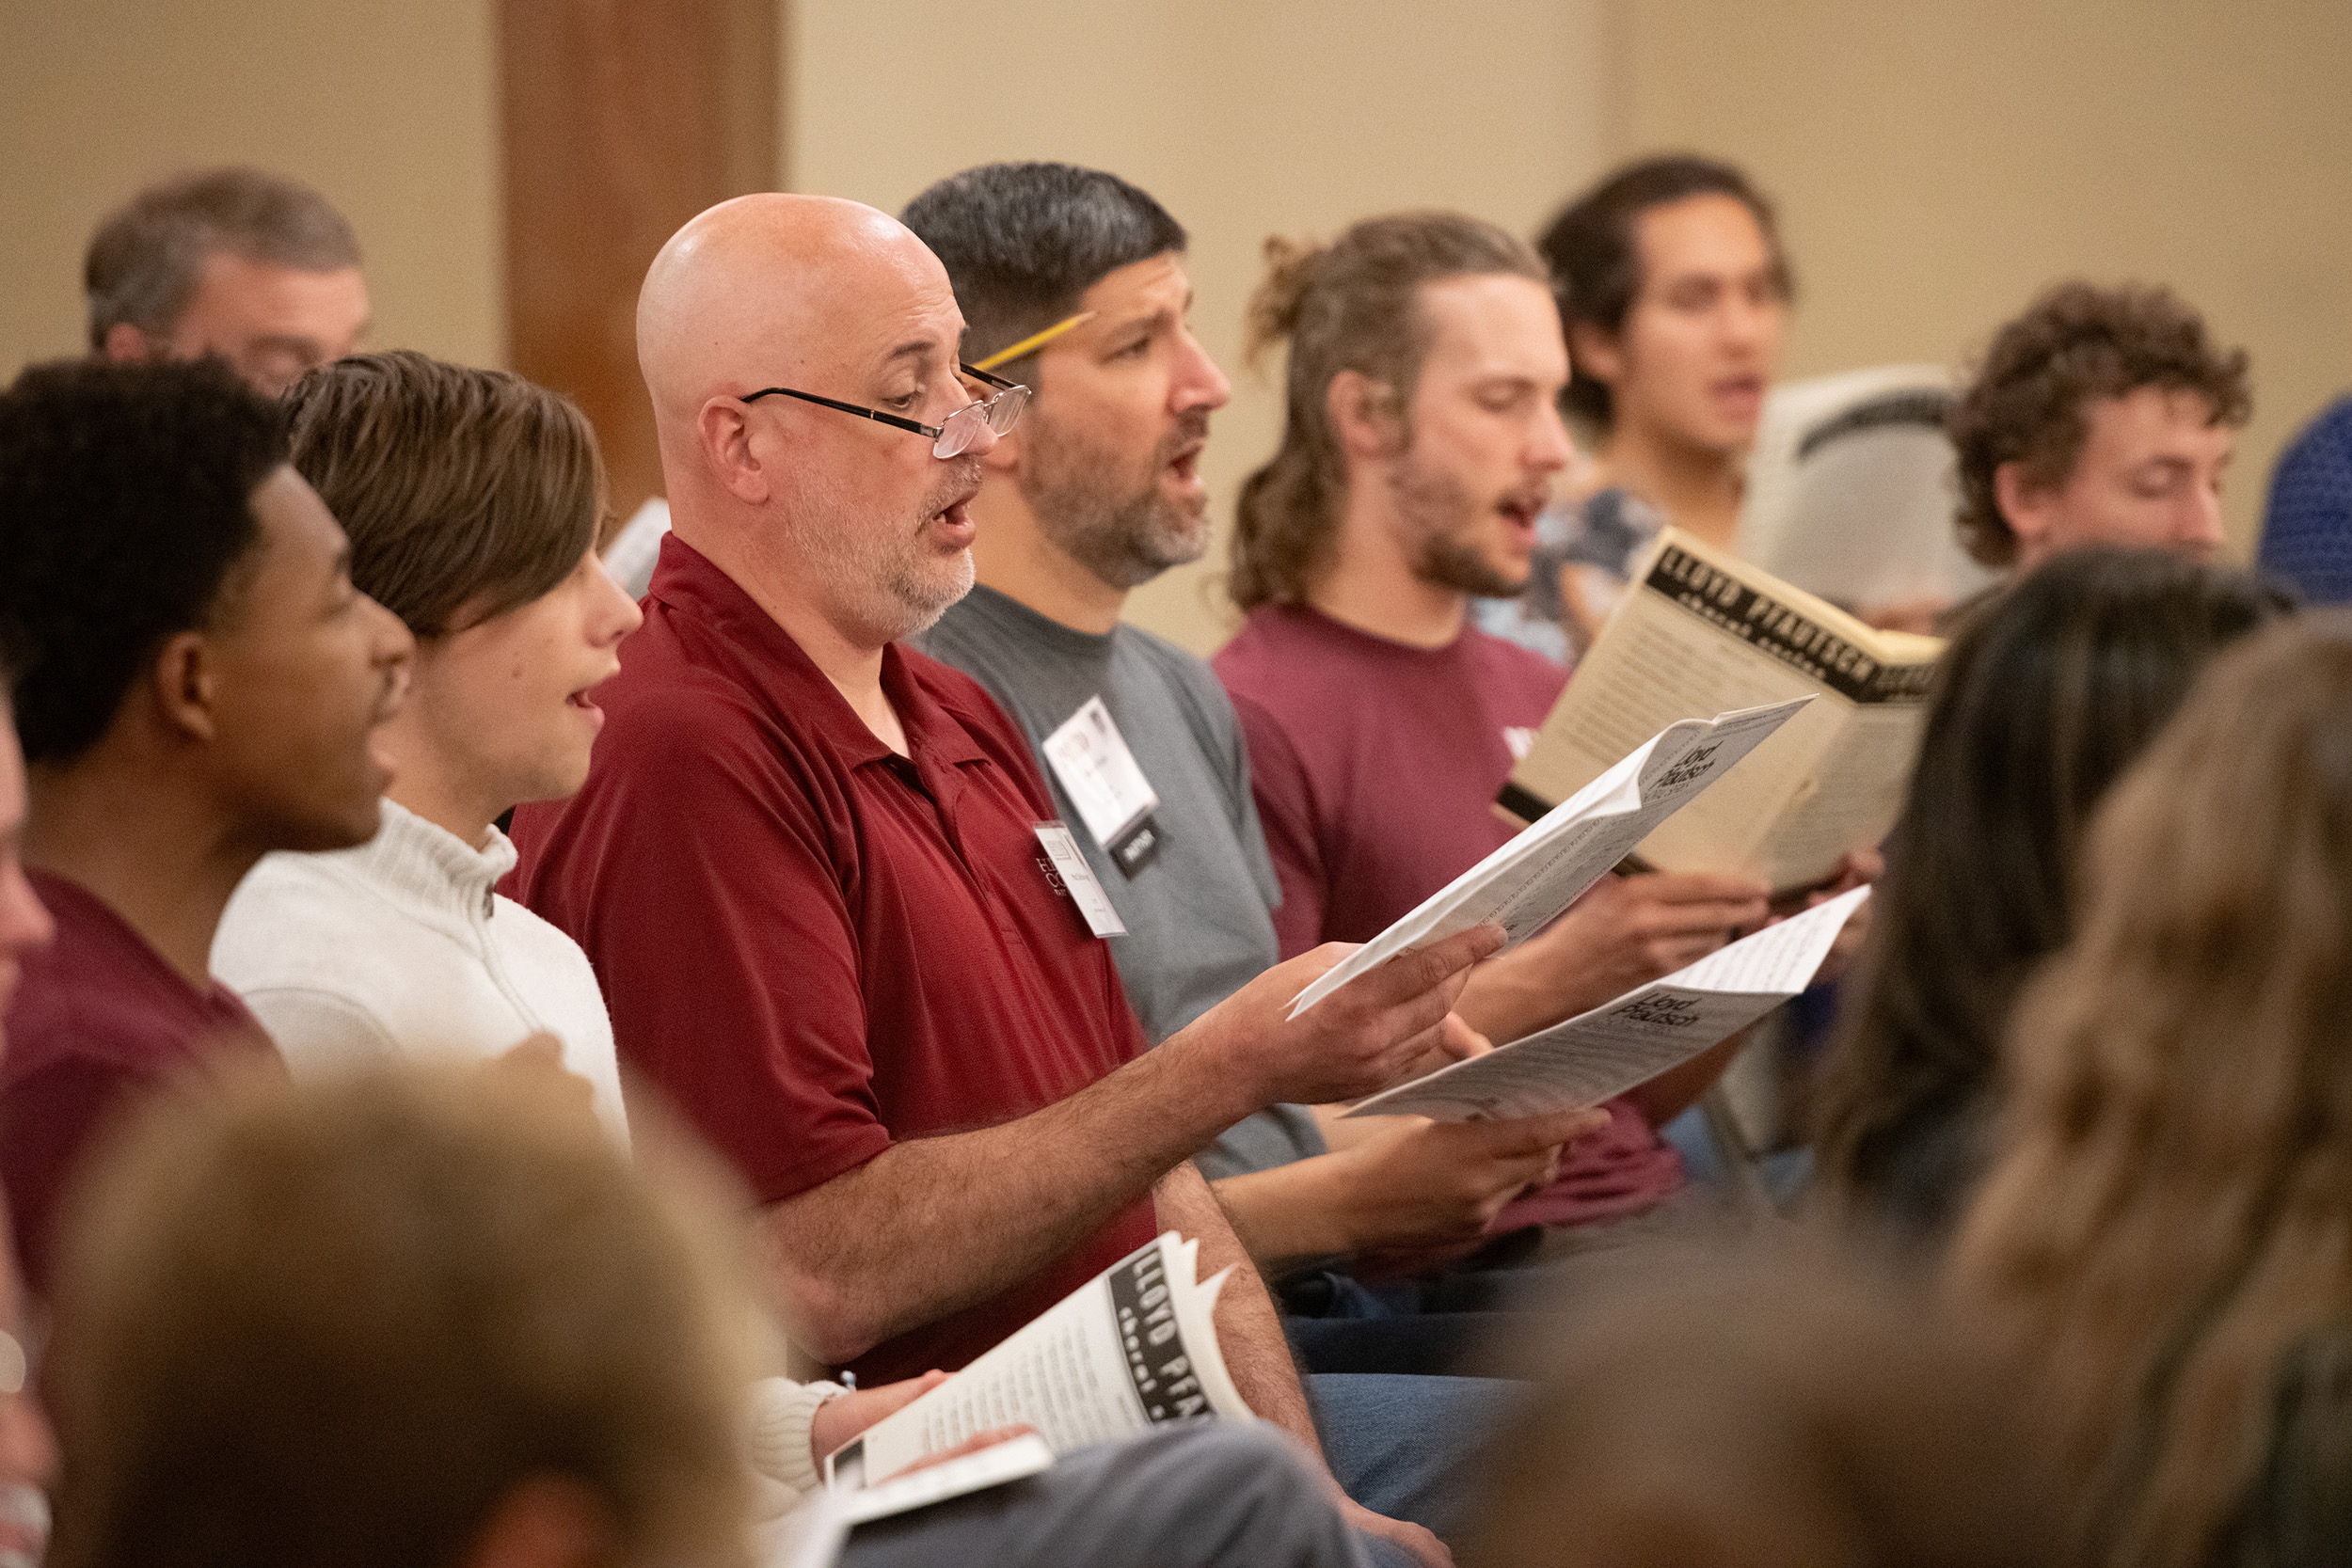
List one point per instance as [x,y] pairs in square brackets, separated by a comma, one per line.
[1420,440]
[2166,1234]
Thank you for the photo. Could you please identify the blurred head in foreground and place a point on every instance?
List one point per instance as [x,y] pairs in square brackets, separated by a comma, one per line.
[1763,1412]
[2045,696]
[395,1318]
[2167,1233]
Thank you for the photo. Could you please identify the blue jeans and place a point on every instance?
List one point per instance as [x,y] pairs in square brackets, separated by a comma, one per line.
[1407,1447]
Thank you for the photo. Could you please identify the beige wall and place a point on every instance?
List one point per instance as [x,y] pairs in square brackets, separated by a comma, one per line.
[390,109]
[1936,164]
[1245,118]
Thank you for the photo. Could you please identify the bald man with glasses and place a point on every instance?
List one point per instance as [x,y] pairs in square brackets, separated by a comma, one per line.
[818,875]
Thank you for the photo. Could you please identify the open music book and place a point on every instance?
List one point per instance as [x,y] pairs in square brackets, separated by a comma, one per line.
[1650,1030]
[1525,884]
[1699,630]
[1133,1346]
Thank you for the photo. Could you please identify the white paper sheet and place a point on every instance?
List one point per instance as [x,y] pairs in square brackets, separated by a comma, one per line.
[1525,884]
[1631,1040]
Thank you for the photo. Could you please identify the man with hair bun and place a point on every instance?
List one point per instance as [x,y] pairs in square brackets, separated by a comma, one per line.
[237,262]
[1421,438]
[2102,416]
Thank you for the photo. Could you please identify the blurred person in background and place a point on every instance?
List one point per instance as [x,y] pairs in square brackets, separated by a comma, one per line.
[2102,416]
[2041,700]
[2162,1237]
[1674,292]
[237,262]
[195,683]
[1794,1409]
[2307,527]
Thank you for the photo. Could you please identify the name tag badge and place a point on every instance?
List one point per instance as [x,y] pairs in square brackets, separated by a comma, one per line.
[1068,870]
[1099,774]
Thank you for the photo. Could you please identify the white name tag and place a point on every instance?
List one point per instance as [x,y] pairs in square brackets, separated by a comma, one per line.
[1070,872]
[1114,799]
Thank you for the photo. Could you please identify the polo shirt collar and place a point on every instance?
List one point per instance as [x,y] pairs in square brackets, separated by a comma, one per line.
[784,676]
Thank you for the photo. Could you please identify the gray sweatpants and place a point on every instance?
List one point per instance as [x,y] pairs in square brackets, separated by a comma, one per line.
[1195,1494]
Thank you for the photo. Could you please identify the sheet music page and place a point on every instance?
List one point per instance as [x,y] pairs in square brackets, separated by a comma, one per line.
[1700,629]
[1133,1346]
[1525,884]
[1650,1029]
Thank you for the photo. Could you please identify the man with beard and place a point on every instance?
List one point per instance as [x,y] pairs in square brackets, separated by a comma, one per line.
[816,875]
[1421,438]
[1074,281]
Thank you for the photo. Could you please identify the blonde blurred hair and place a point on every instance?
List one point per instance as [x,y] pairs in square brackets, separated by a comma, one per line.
[2172,1209]
[338,1323]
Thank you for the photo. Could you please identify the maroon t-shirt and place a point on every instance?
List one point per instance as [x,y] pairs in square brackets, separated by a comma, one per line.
[816,947]
[98,1021]
[1376,766]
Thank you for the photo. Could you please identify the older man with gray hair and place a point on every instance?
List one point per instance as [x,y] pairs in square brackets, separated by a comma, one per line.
[236,262]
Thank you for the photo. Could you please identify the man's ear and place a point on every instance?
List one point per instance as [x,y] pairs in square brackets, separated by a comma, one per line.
[1595,355]
[2027,508]
[185,686]
[725,430]
[1363,414]
[128,344]
[546,1521]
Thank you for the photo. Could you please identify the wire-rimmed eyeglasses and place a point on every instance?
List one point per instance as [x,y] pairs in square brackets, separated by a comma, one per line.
[952,435]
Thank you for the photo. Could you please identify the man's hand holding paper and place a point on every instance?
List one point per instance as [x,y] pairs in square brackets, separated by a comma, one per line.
[1623,931]
[1395,1023]
[1526,884]
[1625,1042]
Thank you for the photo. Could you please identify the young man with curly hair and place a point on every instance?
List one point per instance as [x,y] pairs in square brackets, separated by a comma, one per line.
[2102,416]
[197,683]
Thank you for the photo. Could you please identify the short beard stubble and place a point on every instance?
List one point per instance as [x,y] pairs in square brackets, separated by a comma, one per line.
[1117,525]
[1438,512]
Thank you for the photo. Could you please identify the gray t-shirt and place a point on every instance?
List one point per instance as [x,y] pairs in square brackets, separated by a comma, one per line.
[1198,913]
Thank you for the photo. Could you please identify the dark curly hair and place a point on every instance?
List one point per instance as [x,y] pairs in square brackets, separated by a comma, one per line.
[2077,341]
[125,506]
[1592,248]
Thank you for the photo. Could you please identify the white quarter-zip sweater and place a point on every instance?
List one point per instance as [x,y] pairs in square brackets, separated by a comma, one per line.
[403,947]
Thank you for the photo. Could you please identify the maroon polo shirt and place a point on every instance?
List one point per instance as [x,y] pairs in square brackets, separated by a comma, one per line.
[1375,763]
[99,1022]
[816,947]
